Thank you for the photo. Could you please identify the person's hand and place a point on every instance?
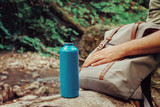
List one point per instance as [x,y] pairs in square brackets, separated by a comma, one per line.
[103,56]
[147,45]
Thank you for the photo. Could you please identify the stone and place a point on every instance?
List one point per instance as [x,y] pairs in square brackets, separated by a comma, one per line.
[29,98]
[41,90]
[32,68]
[26,81]
[1,84]
[4,73]
[3,78]
[7,92]
[1,99]
[156,96]
[34,85]
[35,75]
[18,104]
[18,91]
[14,63]
[14,100]
[43,62]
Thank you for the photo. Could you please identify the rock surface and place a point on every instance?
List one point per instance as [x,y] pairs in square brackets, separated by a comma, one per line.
[33,81]
[85,99]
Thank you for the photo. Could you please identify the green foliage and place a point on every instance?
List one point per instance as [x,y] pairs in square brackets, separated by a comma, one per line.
[105,12]
[29,25]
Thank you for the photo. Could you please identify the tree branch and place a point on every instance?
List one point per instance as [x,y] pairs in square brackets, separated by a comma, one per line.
[63,15]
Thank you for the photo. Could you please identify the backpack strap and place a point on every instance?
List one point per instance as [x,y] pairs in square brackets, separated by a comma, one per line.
[146,90]
[133,33]
[134,30]
[106,69]
[101,45]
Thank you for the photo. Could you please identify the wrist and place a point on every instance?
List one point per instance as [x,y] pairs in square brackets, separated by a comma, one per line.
[123,50]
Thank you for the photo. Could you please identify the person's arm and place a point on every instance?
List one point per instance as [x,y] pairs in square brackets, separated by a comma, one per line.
[146,45]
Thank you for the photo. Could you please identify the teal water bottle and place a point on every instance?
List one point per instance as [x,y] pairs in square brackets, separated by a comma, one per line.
[69,71]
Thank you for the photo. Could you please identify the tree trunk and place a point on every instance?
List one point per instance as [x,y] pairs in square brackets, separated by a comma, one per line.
[92,37]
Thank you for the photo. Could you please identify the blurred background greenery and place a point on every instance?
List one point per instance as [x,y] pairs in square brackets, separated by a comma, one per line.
[43,25]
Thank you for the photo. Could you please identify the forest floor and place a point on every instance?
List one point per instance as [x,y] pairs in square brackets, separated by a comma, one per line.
[27,73]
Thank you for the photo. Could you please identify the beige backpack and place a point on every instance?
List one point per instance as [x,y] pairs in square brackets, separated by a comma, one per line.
[122,78]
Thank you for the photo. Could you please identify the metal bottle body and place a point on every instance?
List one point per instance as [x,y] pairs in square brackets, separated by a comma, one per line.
[69,71]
